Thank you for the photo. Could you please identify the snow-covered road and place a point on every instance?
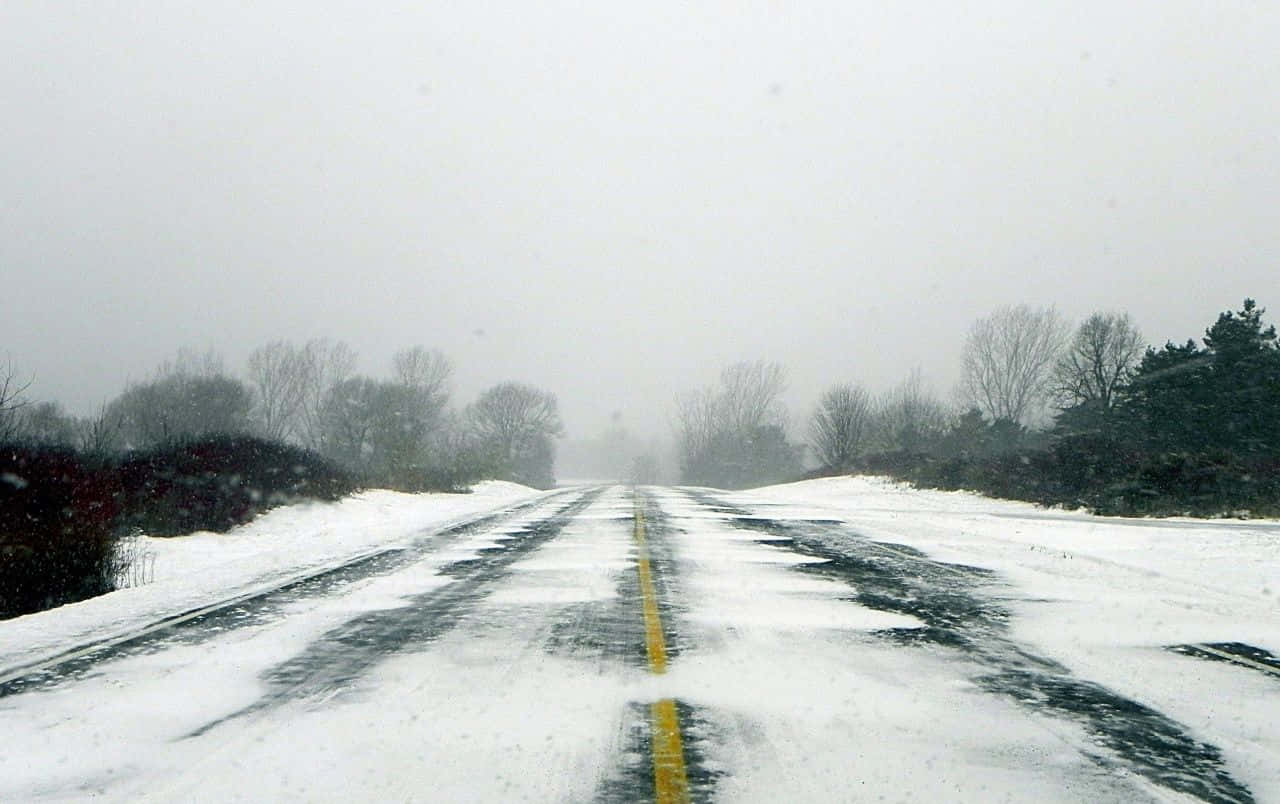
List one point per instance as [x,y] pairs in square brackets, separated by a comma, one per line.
[843,640]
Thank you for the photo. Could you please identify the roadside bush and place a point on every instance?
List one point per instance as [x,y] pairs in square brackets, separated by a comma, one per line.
[67,523]
[57,529]
[1199,484]
[1031,475]
[1102,477]
[218,482]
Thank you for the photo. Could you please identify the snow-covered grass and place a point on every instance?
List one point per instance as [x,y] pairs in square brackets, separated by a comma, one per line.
[201,568]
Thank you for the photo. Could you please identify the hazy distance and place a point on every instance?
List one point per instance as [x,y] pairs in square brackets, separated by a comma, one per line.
[612,201]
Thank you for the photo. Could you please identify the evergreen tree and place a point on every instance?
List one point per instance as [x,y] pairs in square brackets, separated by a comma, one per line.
[1166,405]
[1244,381]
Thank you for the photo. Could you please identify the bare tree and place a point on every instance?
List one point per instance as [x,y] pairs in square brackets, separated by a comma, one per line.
[517,423]
[698,420]
[349,416]
[181,406]
[734,435]
[910,417]
[418,367]
[455,457]
[278,375]
[324,365]
[381,430]
[189,396]
[1099,360]
[191,363]
[426,373]
[841,425]
[47,424]
[11,401]
[99,434]
[751,395]
[1008,362]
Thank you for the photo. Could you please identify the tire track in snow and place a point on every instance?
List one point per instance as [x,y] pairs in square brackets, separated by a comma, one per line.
[339,658]
[257,607]
[959,616]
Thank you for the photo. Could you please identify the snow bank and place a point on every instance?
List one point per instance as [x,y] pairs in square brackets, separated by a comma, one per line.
[204,567]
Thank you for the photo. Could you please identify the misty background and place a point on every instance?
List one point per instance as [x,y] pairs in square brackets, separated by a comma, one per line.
[615,201]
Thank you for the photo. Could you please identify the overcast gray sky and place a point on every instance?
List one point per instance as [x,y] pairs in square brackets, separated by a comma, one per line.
[613,200]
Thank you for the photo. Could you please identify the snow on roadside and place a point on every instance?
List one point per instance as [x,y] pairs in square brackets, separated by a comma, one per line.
[1232,562]
[203,567]
[1104,596]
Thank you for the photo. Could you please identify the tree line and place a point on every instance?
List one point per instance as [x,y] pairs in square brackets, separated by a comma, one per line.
[737,433]
[1092,416]
[195,447]
[1084,415]
[397,431]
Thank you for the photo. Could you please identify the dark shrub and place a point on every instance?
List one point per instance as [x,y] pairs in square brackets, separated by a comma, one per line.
[57,529]
[1200,484]
[217,482]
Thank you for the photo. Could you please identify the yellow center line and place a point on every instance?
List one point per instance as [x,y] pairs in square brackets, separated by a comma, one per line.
[670,781]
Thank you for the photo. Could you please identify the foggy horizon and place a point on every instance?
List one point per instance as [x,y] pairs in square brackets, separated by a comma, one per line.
[613,203]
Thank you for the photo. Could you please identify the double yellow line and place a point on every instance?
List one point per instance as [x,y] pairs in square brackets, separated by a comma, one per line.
[670,781]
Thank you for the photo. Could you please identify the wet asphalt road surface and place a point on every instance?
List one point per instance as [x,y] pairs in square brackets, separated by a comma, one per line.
[541,601]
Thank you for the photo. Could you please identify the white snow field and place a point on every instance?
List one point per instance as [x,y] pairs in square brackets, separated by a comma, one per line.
[508,662]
